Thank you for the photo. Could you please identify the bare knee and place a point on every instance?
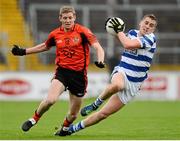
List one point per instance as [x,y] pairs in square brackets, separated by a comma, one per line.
[113,88]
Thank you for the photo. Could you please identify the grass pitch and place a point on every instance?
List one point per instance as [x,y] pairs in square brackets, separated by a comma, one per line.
[138,121]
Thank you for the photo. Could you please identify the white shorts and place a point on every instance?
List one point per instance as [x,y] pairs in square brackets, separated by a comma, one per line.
[131,88]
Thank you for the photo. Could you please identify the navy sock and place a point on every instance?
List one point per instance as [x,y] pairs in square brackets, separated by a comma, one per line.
[97,103]
[77,127]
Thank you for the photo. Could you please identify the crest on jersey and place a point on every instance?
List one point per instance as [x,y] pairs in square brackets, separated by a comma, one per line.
[76,39]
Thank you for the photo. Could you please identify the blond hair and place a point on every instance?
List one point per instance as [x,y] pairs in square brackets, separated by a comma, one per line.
[151,16]
[66,9]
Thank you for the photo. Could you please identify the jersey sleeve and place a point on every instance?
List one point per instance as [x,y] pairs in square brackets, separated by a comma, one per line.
[147,41]
[90,36]
[133,34]
[50,40]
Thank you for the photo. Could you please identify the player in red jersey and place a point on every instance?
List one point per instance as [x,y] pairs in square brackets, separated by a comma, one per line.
[72,43]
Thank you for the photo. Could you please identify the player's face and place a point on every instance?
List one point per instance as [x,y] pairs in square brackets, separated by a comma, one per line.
[67,20]
[147,26]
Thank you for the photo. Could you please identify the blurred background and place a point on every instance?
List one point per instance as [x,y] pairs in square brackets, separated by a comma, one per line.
[28,22]
[24,81]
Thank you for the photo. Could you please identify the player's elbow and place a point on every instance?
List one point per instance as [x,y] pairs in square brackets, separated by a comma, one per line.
[44,47]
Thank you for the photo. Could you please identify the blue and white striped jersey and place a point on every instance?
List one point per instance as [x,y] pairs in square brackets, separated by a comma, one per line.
[137,62]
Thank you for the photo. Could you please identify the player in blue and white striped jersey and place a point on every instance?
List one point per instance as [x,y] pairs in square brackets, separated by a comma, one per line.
[136,62]
[128,76]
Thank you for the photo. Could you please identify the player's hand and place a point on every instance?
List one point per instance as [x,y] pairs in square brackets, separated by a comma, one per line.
[116,25]
[16,50]
[99,64]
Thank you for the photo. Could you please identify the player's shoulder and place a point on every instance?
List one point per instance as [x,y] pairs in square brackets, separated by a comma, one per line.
[151,37]
[81,28]
[133,32]
[56,30]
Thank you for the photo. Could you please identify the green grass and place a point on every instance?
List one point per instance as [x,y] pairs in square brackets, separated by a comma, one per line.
[137,121]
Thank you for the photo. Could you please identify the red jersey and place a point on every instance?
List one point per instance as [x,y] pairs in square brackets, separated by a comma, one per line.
[72,47]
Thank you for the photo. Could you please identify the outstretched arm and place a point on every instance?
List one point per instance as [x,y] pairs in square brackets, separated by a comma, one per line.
[18,51]
[36,49]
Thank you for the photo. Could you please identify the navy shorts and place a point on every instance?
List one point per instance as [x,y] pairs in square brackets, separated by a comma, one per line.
[74,81]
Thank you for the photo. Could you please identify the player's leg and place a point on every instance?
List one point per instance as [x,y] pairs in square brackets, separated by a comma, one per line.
[117,84]
[56,88]
[77,83]
[113,105]
[75,104]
